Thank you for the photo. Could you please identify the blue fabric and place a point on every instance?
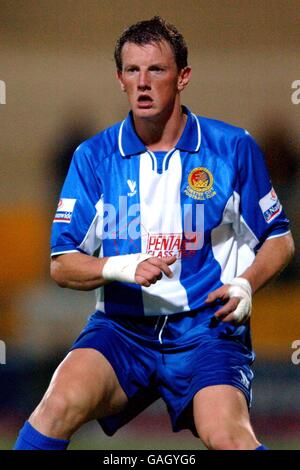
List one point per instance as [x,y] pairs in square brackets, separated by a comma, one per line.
[261,447]
[31,439]
[172,360]
[160,159]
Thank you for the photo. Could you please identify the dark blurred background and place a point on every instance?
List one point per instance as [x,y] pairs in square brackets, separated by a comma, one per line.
[56,59]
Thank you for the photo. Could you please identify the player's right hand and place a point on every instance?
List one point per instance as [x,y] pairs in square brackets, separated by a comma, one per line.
[151,270]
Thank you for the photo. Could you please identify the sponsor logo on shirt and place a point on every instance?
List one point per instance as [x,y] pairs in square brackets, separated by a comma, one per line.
[270,206]
[200,184]
[64,210]
[171,244]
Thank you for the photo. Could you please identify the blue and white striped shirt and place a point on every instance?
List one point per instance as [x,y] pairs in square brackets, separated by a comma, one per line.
[209,201]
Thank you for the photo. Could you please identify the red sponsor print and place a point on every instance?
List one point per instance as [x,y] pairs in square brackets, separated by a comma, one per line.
[164,242]
[162,245]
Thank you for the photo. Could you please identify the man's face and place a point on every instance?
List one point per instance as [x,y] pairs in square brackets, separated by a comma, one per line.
[151,79]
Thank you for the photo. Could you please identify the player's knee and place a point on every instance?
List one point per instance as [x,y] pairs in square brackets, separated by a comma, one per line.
[226,439]
[63,409]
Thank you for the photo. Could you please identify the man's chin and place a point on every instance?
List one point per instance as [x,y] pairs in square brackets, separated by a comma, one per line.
[145,113]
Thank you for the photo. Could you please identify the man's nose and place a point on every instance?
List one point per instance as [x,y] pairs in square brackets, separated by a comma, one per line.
[143,81]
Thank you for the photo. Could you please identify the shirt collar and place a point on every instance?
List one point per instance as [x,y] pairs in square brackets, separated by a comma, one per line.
[130,143]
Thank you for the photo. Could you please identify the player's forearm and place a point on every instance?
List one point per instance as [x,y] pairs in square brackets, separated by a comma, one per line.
[271,259]
[83,272]
[78,271]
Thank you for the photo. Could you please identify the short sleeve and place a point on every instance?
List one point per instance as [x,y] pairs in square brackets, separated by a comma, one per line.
[75,224]
[260,207]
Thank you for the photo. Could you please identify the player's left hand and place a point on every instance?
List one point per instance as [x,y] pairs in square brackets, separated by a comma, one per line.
[238,307]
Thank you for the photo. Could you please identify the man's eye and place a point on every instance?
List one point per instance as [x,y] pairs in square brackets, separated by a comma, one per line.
[131,69]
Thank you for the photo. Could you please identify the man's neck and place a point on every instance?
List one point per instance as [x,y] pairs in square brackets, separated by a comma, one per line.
[161,133]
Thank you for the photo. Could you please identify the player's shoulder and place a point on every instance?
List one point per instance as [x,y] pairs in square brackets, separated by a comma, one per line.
[100,145]
[228,140]
[223,138]
[219,129]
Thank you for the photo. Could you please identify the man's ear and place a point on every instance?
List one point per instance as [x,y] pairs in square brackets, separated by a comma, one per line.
[120,79]
[184,78]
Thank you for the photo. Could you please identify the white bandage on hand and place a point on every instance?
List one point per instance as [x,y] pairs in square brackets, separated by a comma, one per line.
[240,287]
[122,268]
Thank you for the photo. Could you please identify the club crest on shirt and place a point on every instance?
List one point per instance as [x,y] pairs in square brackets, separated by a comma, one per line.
[200,184]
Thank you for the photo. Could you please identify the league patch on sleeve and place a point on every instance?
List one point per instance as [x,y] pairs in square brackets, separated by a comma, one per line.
[64,210]
[270,206]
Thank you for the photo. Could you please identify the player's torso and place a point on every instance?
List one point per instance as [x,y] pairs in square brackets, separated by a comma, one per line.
[160,202]
[167,204]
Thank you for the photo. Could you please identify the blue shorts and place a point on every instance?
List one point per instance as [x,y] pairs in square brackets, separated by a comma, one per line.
[170,357]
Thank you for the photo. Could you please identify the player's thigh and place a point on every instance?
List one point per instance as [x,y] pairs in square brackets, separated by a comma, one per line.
[88,380]
[220,408]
